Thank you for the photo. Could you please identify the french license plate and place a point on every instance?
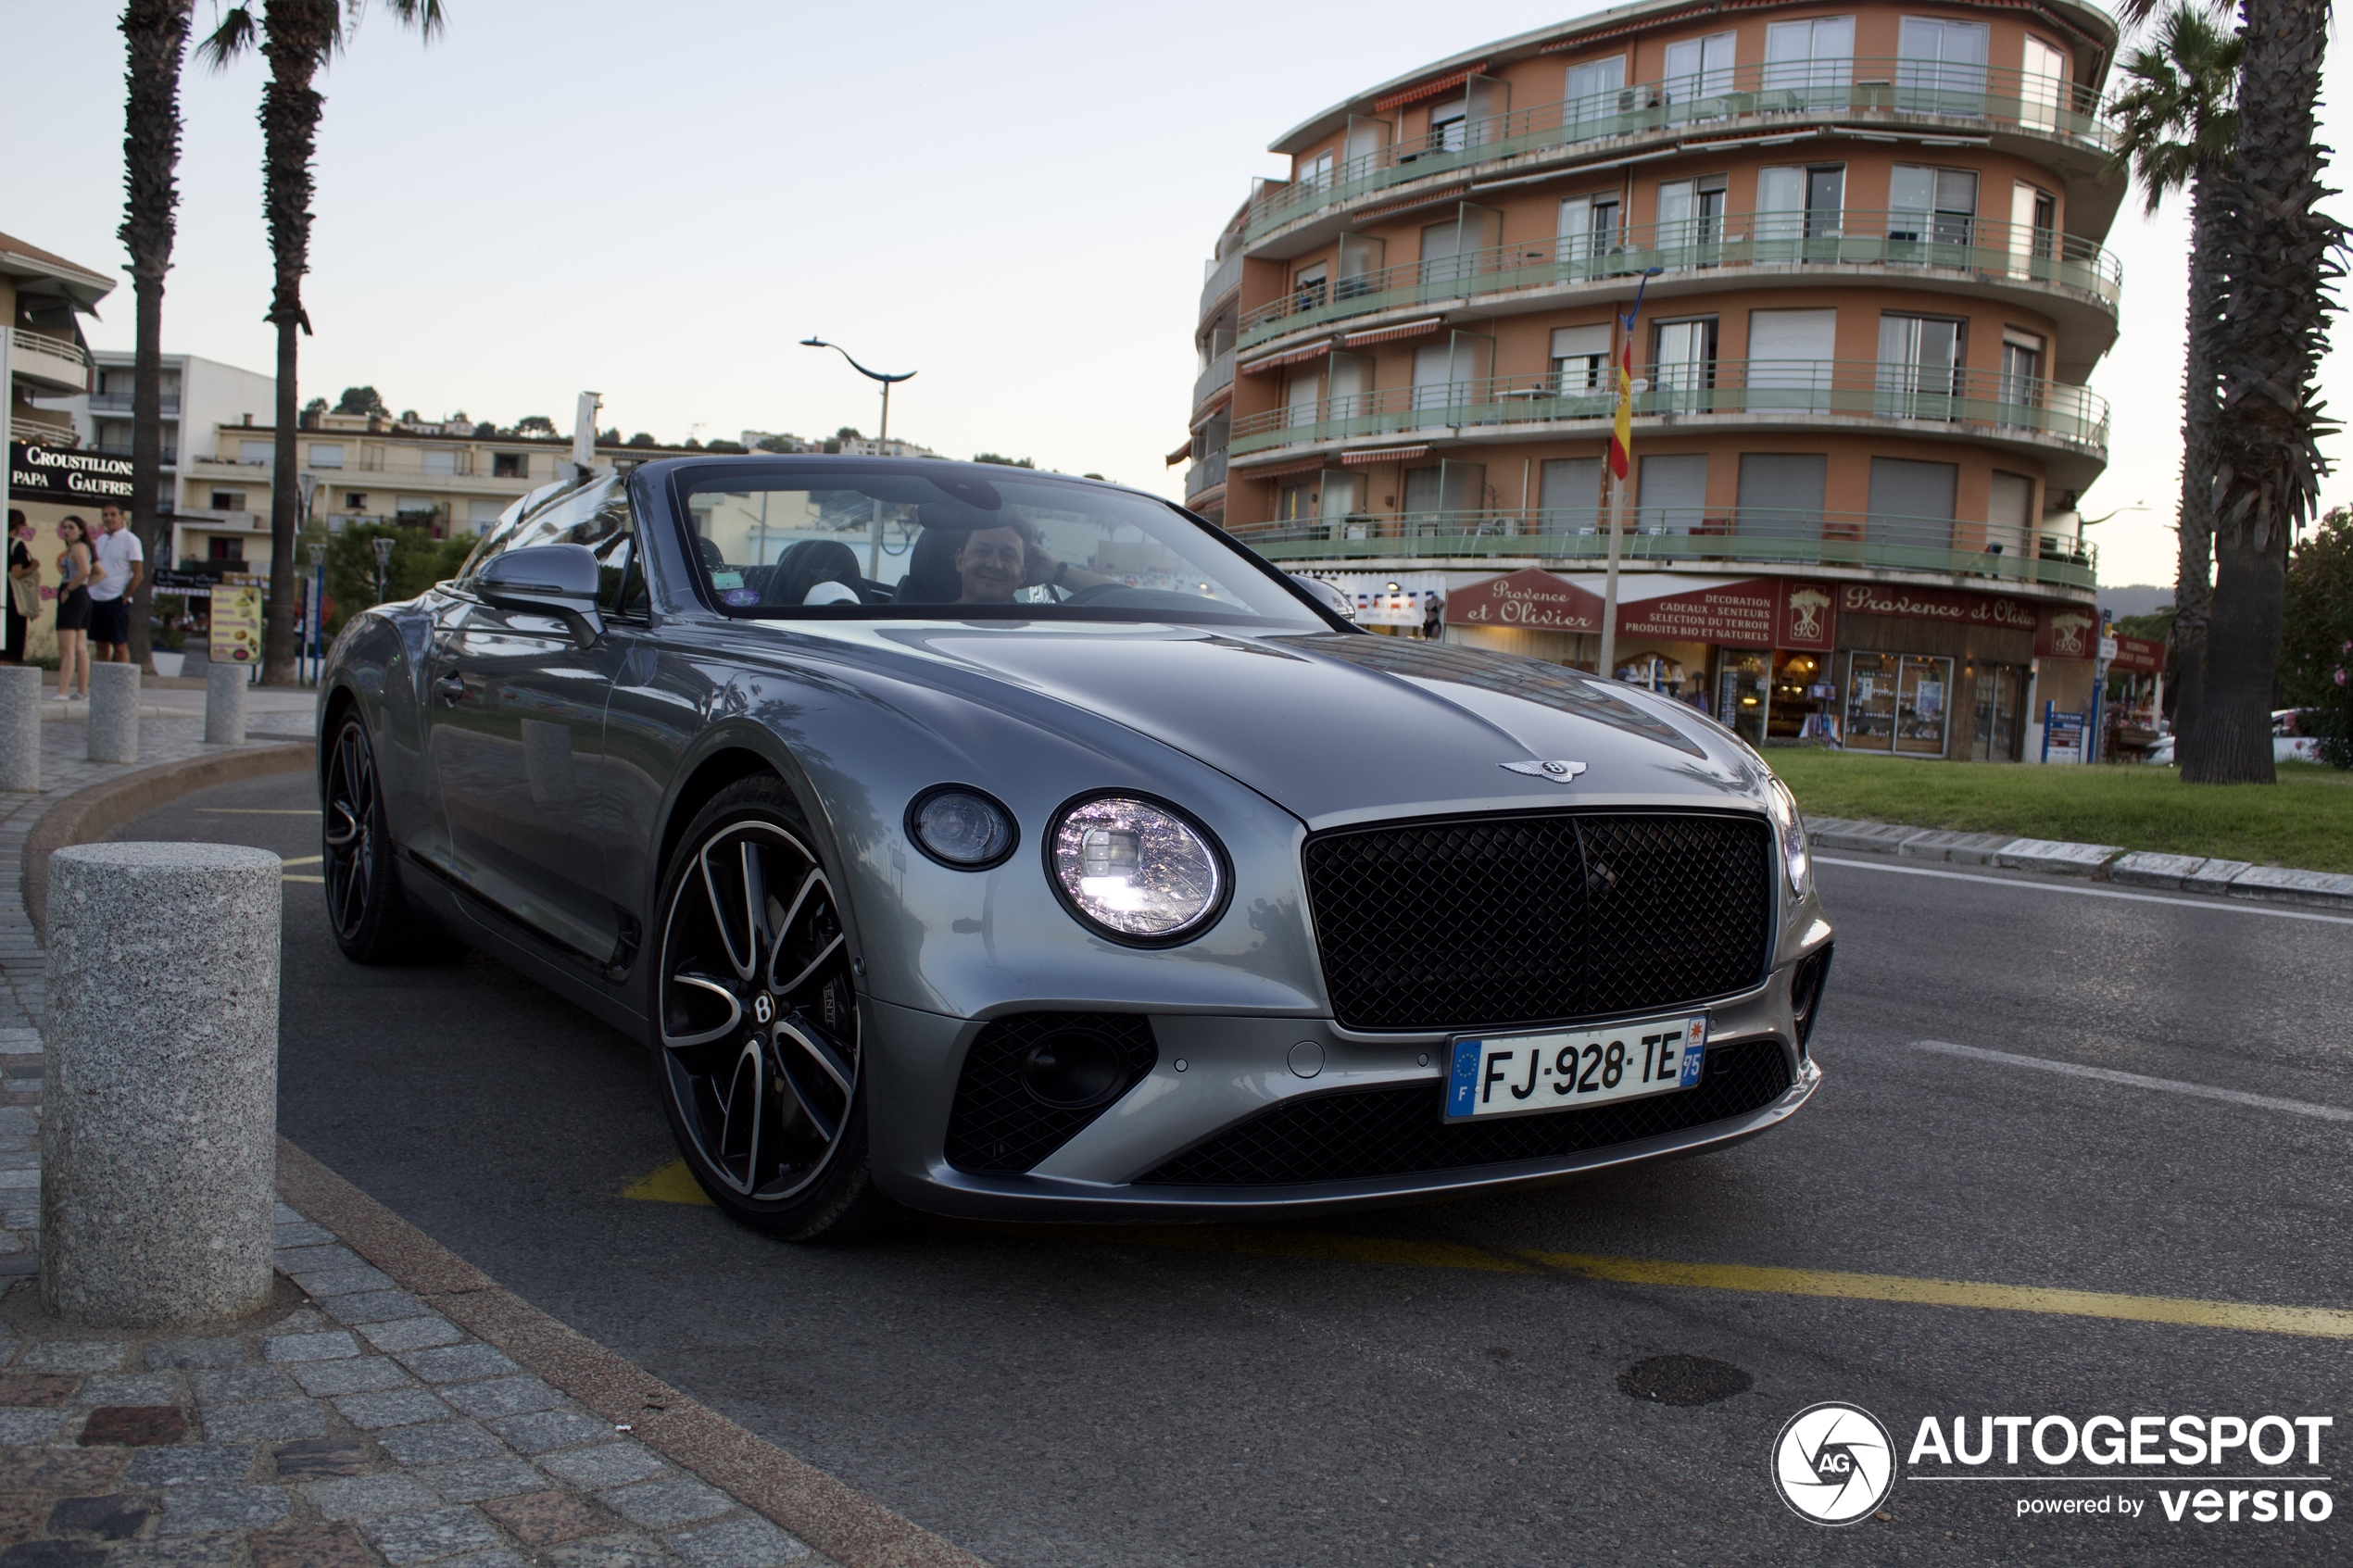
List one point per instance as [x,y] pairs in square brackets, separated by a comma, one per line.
[1520,1074]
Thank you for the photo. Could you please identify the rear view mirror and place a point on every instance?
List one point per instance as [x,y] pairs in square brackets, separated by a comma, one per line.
[557,580]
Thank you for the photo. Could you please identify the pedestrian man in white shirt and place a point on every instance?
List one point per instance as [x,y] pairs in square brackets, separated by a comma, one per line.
[117,550]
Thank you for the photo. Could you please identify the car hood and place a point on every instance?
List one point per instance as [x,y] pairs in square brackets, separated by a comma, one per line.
[1341,727]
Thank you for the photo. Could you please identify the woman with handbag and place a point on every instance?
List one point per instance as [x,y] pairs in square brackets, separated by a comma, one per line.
[77,569]
[24,587]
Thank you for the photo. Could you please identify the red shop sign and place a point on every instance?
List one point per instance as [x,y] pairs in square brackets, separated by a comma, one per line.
[2138,655]
[1532,598]
[1761,613]
[1941,605]
[2067,632]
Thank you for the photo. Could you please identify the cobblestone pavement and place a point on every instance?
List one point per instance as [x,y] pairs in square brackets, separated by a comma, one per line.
[344,1427]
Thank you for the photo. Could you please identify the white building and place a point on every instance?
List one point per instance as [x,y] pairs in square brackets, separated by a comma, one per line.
[200,396]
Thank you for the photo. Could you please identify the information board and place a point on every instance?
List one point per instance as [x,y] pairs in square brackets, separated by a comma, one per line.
[237,625]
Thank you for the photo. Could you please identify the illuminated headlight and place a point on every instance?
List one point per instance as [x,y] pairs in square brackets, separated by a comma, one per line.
[1135,871]
[961,828]
[1789,828]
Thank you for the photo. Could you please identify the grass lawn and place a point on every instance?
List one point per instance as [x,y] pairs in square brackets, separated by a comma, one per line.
[2305,820]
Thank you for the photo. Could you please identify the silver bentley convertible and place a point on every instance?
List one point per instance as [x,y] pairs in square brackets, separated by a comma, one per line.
[1004,844]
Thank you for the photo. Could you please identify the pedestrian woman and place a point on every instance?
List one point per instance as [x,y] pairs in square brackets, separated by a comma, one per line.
[77,569]
[24,587]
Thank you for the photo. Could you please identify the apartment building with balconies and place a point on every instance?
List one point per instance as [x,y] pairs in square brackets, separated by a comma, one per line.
[43,299]
[198,397]
[1876,288]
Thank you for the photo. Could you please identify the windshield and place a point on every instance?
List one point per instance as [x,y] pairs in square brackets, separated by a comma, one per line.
[847,539]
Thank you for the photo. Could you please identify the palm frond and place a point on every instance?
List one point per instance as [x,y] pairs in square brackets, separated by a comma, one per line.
[238,32]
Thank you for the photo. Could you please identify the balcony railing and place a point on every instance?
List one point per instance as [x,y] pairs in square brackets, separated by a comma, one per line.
[1982,402]
[1220,281]
[119,403]
[1207,473]
[122,449]
[1220,374]
[1975,99]
[41,343]
[1653,534]
[1892,240]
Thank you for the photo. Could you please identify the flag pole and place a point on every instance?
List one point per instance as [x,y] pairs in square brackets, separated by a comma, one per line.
[1621,441]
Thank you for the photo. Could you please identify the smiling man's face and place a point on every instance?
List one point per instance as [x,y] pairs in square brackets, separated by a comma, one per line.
[993,563]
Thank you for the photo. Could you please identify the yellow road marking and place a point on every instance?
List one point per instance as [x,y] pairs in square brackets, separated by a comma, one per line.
[256,812]
[302,860]
[672,1184]
[320,879]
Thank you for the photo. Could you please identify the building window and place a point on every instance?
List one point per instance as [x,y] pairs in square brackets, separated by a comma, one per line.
[1595,95]
[261,454]
[1316,174]
[224,549]
[1307,289]
[509,465]
[1794,202]
[1941,65]
[227,500]
[2022,371]
[1932,204]
[1699,68]
[1691,212]
[1581,360]
[326,454]
[1682,364]
[1446,125]
[1588,226]
[440,459]
[1920,366]
[1293,503]
[1807,64]
[354,500]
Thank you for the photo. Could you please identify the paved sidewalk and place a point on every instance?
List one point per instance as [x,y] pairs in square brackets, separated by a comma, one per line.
[347,1426]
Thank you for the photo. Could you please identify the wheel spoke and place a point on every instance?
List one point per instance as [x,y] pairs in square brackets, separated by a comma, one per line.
[734,1013]
[742,964]
[785,921]
[795,984]
[820,1050]
[755,870]
[742,1105]
[826,1127]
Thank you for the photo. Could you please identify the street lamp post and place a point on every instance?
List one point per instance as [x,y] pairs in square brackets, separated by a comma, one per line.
[305,486]
[383,545]
[1621,441]
[870,375]
[318,611]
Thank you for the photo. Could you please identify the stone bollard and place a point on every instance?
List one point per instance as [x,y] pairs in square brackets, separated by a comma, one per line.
[224,705]
[114,713]
[19,727]
[159,1129]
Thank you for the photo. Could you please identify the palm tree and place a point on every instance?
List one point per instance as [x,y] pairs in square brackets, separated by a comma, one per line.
[156,34]
[2277,255]
[2177,127]
[297,37]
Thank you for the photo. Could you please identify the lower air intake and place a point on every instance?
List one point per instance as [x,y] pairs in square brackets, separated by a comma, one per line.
[1366,1133]
[1013,1108]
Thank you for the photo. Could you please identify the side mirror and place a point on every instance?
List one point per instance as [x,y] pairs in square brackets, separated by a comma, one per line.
[557,580]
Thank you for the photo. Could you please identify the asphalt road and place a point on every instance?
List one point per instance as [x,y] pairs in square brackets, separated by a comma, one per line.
[1046,1399]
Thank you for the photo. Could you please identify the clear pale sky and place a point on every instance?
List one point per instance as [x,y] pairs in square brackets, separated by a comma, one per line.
[657,201]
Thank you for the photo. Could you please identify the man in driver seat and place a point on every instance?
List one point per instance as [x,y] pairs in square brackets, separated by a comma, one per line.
[996,562]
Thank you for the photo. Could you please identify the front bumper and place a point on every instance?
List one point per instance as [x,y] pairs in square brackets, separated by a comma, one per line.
[1237,1068]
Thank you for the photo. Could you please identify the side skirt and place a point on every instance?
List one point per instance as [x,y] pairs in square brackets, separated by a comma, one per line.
[574,977]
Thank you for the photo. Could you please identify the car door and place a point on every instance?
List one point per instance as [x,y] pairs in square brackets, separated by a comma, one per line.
[514,747]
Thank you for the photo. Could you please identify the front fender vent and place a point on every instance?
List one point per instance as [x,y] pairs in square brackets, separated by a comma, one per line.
[998,1127]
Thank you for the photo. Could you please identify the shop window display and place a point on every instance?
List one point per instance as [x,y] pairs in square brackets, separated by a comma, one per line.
[1923,691]
[1744,692]
[1870,701]
[1795,712]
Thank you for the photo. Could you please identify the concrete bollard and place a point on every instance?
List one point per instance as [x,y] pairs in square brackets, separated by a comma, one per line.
[114,713]
[224,705]
[19,727]
[159,1129]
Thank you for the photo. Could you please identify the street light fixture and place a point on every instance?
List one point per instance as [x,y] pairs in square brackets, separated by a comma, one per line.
[383,545]
[871,375]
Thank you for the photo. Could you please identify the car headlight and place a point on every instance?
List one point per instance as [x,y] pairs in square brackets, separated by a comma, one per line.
[1789,828]
[960,828]
[1136,871]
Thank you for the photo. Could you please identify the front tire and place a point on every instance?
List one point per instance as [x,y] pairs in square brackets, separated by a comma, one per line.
[758,1034]
[371,920]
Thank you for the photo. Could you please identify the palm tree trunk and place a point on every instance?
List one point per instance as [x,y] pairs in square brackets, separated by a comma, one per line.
[155,36]
[299,34]
[2194,580]
[2277,254]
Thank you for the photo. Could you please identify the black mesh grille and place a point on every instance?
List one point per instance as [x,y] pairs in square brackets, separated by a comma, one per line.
[996,1128]
[1534,920]
[1364,1132]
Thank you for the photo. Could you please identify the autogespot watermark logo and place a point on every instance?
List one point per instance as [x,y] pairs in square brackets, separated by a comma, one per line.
[1833,1463]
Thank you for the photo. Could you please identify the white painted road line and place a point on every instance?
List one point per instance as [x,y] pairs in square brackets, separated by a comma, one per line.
[2235,905]
[2140,1081]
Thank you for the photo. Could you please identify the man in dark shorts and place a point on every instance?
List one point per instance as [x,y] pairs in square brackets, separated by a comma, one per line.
[117,550]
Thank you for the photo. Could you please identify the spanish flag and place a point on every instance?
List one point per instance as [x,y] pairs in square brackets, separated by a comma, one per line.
[1621,436]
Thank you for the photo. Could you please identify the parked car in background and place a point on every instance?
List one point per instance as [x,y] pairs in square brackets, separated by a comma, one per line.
[1009,846]
[2289,742]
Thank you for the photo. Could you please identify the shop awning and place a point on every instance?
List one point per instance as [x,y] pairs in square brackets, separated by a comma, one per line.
[1449,194]
[1383,455]
[1284,471]
[1427,90]
[1181,453]
[1390,334]
[1313,351]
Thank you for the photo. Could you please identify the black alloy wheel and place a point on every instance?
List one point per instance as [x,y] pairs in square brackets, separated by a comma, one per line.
[371,919]
[758,1021]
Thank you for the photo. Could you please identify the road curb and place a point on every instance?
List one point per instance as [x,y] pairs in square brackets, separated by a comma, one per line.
[2101,862]
[838,1520]
[92,813]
